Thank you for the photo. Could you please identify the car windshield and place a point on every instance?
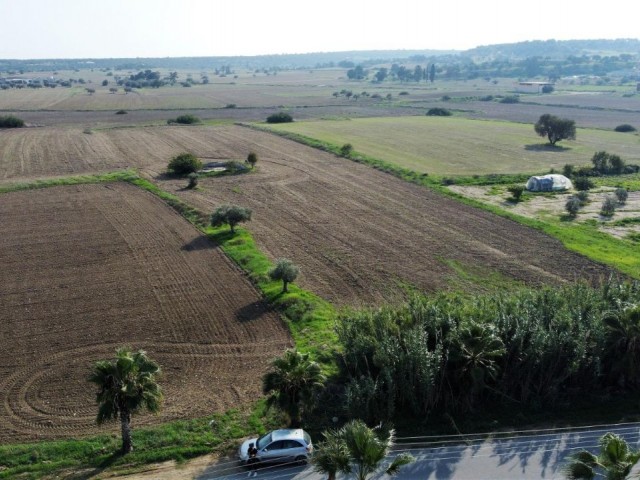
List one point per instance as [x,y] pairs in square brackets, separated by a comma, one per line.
[263,441]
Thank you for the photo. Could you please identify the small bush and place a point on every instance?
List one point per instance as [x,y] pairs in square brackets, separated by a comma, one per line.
[184,163]
[233,167]
[9,121]
[403,93]
[230,105]
[583,196]
[516,192]
[486,98]
[621,195]
[346,149]
[547,88]
[445,98]
[187,119]
[121,112]
[510,99]
[583,183]
[252,159]
[438,112]
[573,205]
[608,207]
[625,127]
[448,181]
[567,170]
[193,180]
[280,117]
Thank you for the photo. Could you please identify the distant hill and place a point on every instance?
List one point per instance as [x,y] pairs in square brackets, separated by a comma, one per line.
[555,49]
[549,49]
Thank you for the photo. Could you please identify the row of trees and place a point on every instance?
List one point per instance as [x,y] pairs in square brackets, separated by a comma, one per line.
[532,348]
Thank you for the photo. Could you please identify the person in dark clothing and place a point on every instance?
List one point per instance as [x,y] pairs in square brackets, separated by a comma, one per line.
[252,462]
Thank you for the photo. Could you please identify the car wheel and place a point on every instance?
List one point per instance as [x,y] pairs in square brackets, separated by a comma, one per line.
[301,460]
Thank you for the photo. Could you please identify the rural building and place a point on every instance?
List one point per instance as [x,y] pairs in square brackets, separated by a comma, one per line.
[548,183]
[532,87]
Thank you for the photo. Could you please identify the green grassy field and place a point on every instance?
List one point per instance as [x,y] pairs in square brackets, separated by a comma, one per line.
[459,146]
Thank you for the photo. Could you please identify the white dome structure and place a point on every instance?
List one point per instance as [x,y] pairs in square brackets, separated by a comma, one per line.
[549,183]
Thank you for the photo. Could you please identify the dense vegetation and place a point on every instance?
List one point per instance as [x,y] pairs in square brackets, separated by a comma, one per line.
[530,349]
[184,164]
[280,117]
[9,121]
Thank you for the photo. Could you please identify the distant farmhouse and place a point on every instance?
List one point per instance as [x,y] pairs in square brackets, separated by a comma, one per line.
[532,87]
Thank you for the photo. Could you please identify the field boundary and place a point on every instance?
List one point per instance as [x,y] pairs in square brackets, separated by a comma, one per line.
[595,245]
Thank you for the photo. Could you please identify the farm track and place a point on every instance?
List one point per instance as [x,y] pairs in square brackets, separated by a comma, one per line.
[360,234]
[93,267]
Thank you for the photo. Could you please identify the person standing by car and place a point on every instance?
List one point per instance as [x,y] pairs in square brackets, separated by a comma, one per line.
[252,462]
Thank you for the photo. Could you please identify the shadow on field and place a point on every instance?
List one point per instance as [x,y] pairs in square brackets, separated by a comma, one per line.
[198,243]
[91,473]
[252,311]
[545,147]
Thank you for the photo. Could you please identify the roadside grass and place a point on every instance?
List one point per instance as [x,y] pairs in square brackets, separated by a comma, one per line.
[461,146]
[585,239]
[178,440]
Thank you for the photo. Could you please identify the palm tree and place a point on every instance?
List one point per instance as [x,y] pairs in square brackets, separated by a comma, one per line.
[365,447]
[331,455]
[623,344]
[293,384]
[127,385]
[614,462]
[476,350]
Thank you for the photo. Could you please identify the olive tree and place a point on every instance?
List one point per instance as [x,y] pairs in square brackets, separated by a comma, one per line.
[252,159]
[286,271]
[230,215]
[554,128]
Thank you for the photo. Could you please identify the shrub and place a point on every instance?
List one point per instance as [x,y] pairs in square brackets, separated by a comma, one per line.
[567,170]
[510,99]
[252,159]
[230,105]
[232,166]
[516,192]
[583,183]
[187,119]
[486,98]
[346,149]
[9,121]
[625,127]
[621,195]
[547,88]
[121,112]
[403,93]
[184,163]
[583,196]
[573,205]
[448,181]
[445,98]
[608,207]
[438,112]
[280,117]
[193,180]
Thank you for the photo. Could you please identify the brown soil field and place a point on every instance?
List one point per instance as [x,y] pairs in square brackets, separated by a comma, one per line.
[358,234]
[89,268]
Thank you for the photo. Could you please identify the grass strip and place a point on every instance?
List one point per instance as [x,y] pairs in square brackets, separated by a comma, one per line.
[178,441]
[581,238]
[115,176]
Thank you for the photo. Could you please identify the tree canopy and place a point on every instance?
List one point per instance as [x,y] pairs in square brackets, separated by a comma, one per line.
[555,128]
[230,215]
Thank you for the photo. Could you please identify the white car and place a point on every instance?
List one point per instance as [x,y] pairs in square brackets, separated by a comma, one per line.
[278,446]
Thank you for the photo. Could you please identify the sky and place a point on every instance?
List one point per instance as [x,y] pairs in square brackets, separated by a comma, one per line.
[34,29]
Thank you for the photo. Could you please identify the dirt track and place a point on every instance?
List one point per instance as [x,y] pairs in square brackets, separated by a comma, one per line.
[358,233]
[89,268]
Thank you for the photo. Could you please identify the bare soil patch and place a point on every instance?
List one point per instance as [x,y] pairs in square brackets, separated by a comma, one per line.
[89,268]
[360,234]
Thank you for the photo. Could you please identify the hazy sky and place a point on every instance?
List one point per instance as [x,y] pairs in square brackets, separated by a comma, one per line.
[171,28]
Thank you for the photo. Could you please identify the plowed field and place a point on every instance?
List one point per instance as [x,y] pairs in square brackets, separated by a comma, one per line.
[358,234]
[88,268]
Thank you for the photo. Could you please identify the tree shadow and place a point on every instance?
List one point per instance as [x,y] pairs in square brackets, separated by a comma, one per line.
[90,473]
[252,311]
[199,243]
[545,147]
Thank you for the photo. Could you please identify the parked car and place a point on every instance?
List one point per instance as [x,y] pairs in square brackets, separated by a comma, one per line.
[278,446]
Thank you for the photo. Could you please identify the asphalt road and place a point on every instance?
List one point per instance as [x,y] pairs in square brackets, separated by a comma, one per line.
[539,456]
